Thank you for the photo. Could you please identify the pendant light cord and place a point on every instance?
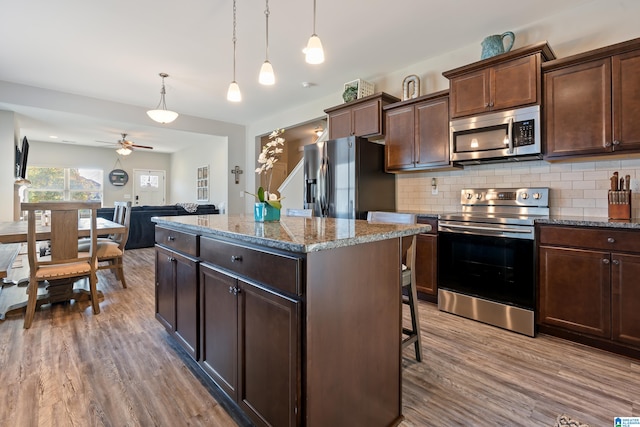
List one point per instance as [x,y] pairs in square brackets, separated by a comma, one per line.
[234,40]
[266,13]
[314,17]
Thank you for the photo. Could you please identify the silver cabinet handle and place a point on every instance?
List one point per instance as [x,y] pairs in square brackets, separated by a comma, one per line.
[234,290]
[616,261]
[611,240]
[616,142]
[170,259]
[235,258]
[607,144]
[171,238]
[605,260]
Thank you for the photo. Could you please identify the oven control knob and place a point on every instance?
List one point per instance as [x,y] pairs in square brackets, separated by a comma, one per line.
[469,196]
[537,196]
[524,196]
[478,196]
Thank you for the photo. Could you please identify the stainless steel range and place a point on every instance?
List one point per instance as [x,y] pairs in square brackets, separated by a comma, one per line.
[486,256]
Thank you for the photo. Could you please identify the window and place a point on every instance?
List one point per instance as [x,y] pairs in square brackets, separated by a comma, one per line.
[70,184]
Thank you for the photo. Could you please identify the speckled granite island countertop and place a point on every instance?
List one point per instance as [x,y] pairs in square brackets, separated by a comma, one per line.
[293,234]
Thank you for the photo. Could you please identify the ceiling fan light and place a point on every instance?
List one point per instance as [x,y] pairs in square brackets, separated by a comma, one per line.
[233,94]
[123,151]
[162,116]
[267,77]
[314,54]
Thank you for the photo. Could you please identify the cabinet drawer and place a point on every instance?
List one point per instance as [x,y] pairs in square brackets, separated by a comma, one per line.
[178,240]
[597,238]
[276,270]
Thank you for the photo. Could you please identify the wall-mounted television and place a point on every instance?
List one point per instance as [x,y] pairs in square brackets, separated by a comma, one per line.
[21,159]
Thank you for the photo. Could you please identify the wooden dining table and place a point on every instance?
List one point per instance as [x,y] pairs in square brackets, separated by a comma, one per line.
[14,266]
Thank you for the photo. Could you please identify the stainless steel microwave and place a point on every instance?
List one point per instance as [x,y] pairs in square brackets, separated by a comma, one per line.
[501,136]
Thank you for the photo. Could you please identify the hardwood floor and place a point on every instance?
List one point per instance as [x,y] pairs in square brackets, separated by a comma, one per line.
[119,368]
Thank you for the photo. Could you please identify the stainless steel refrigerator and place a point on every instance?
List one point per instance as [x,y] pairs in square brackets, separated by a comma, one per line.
[345,178]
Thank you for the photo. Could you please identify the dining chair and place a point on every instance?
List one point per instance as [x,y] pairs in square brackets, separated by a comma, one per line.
[412,336]
[110,250]
[307,213]
[64,263]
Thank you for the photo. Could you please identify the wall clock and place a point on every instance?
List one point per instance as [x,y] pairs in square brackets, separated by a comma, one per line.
[118,177]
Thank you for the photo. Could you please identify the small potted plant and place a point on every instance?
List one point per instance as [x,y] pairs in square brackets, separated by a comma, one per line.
[268,206]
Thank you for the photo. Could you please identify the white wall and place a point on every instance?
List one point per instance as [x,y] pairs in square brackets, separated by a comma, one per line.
[594,25]
[48,154]
[184,165]
[8,141]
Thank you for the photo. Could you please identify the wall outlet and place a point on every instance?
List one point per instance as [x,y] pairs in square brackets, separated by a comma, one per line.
[434,191]
[634,185]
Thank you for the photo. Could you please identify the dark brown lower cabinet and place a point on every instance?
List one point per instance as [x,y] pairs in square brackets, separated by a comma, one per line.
[177,297]
[251,346]
[427,262]
[294,339]
[589,287]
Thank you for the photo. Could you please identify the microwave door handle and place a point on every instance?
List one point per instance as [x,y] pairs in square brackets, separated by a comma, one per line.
[510,135]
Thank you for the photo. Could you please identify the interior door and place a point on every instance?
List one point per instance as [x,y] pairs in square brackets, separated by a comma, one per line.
[148,187]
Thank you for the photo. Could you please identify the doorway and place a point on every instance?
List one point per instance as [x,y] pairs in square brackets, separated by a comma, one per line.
[148,187]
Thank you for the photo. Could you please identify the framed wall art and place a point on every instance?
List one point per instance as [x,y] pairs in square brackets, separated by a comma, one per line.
[202,184]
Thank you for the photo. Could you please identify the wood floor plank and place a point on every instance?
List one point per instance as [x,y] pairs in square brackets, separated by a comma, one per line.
[120,368]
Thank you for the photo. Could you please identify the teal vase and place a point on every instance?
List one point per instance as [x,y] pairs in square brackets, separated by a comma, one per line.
[264,212]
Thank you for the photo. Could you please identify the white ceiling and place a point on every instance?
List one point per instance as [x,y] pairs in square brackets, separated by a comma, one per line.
[113,50]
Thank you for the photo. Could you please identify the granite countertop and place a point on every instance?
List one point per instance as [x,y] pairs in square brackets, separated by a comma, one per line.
[293,234]
[578,221]
[584,221]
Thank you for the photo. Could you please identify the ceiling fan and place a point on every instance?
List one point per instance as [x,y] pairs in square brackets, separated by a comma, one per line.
[125,146]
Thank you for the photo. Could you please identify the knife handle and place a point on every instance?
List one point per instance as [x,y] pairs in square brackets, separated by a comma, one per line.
[614,183]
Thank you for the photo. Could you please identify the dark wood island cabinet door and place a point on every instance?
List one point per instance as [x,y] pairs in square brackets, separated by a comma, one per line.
[219,319]
[269,369]
[165,289]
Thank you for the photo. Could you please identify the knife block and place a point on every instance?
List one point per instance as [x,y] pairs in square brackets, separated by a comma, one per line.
[620,204]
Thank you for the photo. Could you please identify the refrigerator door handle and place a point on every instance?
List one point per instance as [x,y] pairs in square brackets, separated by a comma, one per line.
[322,188]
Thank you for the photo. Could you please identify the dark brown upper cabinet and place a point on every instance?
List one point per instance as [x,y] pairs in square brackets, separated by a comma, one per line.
[417,133]
[505,81]
[592,102]
[362,117]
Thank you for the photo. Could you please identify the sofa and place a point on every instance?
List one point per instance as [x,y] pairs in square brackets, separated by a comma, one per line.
[142,229]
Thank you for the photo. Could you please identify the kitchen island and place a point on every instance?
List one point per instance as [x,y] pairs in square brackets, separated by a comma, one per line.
[297,321]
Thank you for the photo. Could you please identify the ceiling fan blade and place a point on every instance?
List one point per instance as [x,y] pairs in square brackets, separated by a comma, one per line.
[140,146]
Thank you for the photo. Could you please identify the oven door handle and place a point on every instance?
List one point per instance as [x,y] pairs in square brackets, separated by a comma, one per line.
[473,228]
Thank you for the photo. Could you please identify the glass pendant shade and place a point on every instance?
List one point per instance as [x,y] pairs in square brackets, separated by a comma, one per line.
[314,52]
[123,151]
[233,94]
[266,76]
[162,116]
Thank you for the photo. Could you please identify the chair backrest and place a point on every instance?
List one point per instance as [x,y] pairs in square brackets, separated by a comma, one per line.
[121,215]
[64,231]
[307,213]
[408,244]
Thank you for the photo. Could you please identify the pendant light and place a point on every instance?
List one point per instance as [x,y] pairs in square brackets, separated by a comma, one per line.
[266,76]
[161,114]
[314,54]
[124,151]
[233,94]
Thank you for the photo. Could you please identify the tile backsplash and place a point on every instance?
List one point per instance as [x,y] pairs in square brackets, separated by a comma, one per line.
[576,188]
